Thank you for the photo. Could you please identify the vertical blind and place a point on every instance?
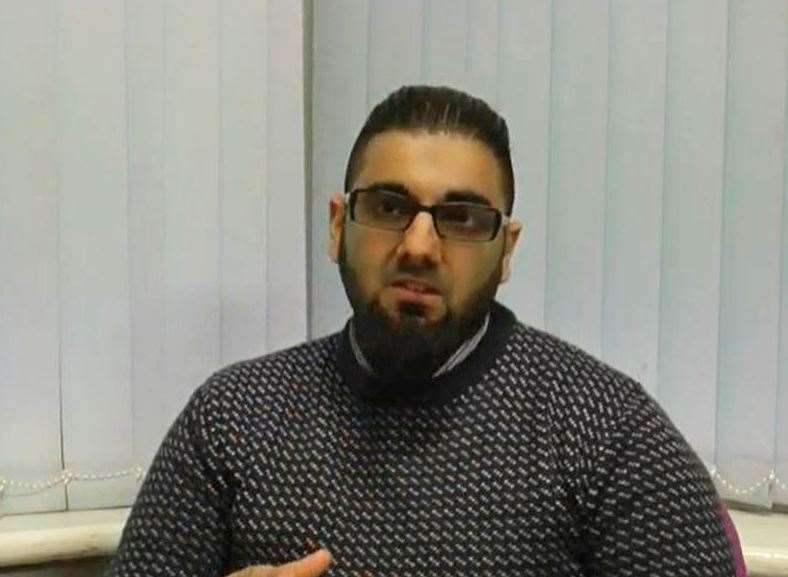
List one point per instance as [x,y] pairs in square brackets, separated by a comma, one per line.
[151,209]
[649,142]
[154,227]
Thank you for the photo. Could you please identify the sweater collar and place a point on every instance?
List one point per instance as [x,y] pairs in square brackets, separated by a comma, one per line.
[439,389]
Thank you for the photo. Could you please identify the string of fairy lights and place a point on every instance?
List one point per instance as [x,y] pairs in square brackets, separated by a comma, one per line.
[66,476]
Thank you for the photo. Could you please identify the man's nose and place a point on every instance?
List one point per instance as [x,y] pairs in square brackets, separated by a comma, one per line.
[420,241]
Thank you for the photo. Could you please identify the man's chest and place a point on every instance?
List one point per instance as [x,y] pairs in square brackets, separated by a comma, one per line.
[458,498]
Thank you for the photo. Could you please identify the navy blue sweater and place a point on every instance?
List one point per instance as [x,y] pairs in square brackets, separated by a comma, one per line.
[529,458]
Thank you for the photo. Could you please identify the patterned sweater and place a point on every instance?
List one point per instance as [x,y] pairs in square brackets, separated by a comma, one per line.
[530,458]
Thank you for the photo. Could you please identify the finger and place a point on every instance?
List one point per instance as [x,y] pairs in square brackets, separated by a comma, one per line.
[310,566]
[255,571]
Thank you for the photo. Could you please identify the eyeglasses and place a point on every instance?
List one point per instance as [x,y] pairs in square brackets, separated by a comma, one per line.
[460,221]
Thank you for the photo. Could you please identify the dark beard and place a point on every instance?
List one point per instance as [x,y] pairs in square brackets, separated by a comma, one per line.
[412,350]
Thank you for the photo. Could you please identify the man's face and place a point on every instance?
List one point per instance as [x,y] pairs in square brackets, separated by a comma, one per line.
[413,290]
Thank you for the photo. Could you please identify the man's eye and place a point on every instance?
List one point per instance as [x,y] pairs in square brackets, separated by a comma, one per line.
[387,207]
[390,207]
[459,216]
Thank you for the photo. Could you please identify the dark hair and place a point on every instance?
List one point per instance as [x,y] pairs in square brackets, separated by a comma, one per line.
[438,109]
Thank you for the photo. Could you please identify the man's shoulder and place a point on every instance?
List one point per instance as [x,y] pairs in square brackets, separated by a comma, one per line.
[258,378]
[300,356]
[568,378]
[558,357]
[587,403]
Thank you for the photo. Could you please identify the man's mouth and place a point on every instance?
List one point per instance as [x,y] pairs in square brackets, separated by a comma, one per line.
[415,298]
[416,286]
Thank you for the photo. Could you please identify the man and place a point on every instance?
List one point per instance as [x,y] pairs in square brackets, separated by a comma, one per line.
[435,435]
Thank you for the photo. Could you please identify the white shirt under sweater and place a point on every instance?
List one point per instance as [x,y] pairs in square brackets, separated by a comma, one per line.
[529,458]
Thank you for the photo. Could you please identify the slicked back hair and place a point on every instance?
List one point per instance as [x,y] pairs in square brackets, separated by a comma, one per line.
[437,109]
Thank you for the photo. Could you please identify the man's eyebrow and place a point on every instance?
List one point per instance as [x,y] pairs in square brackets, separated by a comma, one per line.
[452,195]
[395,187]
[465,196]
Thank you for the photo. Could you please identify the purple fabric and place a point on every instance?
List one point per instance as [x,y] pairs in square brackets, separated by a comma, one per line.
[733,541]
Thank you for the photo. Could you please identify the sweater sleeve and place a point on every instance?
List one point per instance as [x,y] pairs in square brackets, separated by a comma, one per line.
[177,525]
[657,510]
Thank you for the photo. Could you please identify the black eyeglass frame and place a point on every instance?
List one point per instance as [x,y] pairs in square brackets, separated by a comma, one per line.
[500,218]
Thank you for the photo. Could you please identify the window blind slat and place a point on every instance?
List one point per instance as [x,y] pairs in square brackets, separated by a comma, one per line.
[578,149]
[29,302]
[94,261]
[524,100]
[481,74]
[780,493]
[191,157]
[445,52]
[285,186]
[781,408]
[147,217]
[243,171]
[633,213]
[750,273]
[691,214]
[395,52]
[339,107]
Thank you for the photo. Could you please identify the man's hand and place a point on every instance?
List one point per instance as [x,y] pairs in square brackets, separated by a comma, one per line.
[310,566]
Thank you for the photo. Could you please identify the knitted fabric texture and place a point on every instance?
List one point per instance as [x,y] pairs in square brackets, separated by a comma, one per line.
[535,459]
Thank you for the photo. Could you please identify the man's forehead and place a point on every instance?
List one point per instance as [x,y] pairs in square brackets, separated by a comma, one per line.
[436,163]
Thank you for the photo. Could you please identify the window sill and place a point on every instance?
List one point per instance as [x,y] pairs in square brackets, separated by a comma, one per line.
[45,537]
[764,542]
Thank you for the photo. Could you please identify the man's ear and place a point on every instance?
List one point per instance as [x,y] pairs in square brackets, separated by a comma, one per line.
[511,235]
[336,211]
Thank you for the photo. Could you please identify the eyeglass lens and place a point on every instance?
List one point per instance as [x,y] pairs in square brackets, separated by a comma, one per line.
[391,211]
